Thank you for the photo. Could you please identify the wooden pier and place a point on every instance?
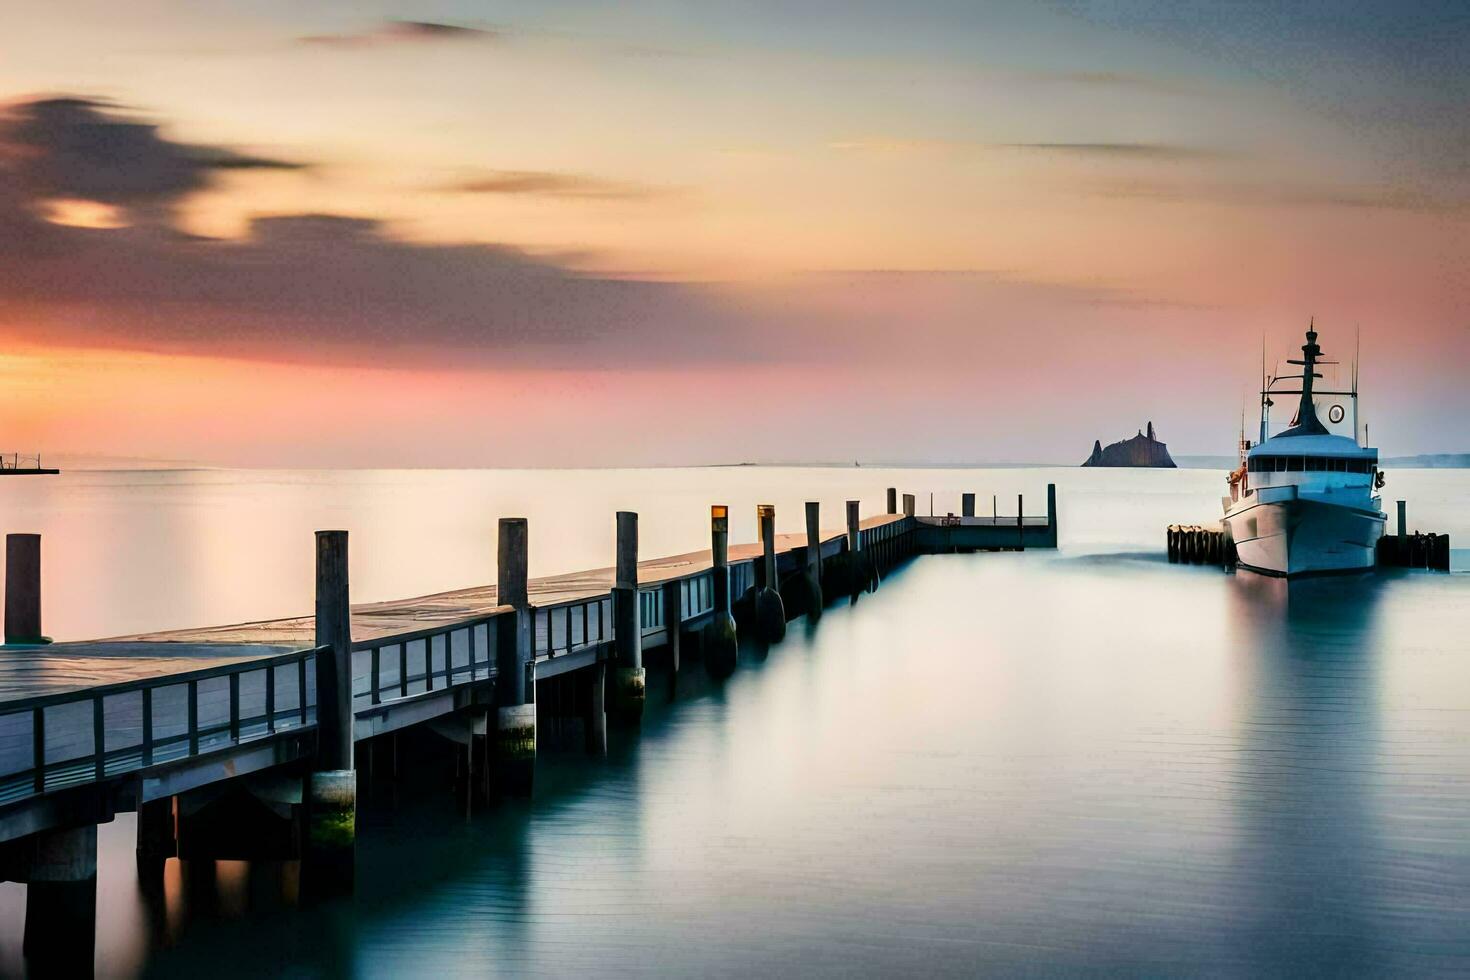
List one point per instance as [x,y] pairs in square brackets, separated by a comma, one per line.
[16,464]
[175,725]
[1417,549]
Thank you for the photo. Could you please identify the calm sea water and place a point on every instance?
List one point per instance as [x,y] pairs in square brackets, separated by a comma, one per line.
[1086,761]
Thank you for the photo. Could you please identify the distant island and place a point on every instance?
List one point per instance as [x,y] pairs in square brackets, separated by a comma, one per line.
[1142,450]
[1430,461]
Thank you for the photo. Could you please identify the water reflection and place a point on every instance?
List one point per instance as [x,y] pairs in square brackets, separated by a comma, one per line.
[995,763]
[1309,735]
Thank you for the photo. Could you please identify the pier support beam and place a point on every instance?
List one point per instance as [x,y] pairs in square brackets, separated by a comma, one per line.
[23,589]
[967,505]
[61,902]
[515,714]
[720,642]
[628,677]
[331,804]
[813,574]
[770,611]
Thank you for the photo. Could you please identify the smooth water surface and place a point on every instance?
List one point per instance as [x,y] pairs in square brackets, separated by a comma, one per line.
[1083,761]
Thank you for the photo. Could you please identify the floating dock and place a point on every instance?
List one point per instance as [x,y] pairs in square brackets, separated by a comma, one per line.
[187,726]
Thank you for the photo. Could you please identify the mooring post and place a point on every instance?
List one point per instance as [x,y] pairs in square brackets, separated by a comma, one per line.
[331,837]
[770,611]
[813,574]
[967,505]
[908,505]
[61,902]
[515,694]
[861,573]
[23,589]
[720,642]
[1051,514]
[892,500]
[628,679]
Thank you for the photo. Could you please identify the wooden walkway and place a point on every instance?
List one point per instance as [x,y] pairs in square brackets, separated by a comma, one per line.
[380,620]
[206,704]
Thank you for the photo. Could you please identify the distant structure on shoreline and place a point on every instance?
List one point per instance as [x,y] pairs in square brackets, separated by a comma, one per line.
[1142,450]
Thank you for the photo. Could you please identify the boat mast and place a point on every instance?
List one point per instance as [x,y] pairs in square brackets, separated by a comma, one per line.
[1265,394]
[1357,350]
[1307,422]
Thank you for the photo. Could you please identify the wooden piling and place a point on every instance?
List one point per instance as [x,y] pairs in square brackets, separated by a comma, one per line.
[628,678]
[514,737]
[1403,508]
[597,710]
[61,902]
[673,620]
[332,785]
[892,500]
[967,505]
[908,505]
[1020,523]
[720,642]
[1051,514]
[23,589]
[862,573]
[770,611]
[813,572]
[156,842]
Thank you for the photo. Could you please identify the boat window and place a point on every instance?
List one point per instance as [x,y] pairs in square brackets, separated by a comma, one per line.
[1293,464]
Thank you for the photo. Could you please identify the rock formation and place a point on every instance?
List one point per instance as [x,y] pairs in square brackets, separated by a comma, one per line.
[1141,450]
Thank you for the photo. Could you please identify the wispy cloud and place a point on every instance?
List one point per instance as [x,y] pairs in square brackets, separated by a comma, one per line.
[1120,80]
[897,144]
[401,32]
[543,183]
[1135,151]
[1116,150]
[1278,194]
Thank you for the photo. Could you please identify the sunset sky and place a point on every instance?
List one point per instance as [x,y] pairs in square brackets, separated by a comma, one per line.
[456,233]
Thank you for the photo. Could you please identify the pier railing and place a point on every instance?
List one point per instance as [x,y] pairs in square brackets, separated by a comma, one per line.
[55,741]
[59,741]
[572,625]
[434,658]
[20,461]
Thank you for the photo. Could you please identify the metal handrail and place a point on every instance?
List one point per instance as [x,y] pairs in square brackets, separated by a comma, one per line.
[75,770]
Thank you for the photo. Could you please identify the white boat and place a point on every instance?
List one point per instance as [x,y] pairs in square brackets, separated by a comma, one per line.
[1305,501]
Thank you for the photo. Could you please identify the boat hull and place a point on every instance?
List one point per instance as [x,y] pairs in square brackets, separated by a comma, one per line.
[1298,537]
